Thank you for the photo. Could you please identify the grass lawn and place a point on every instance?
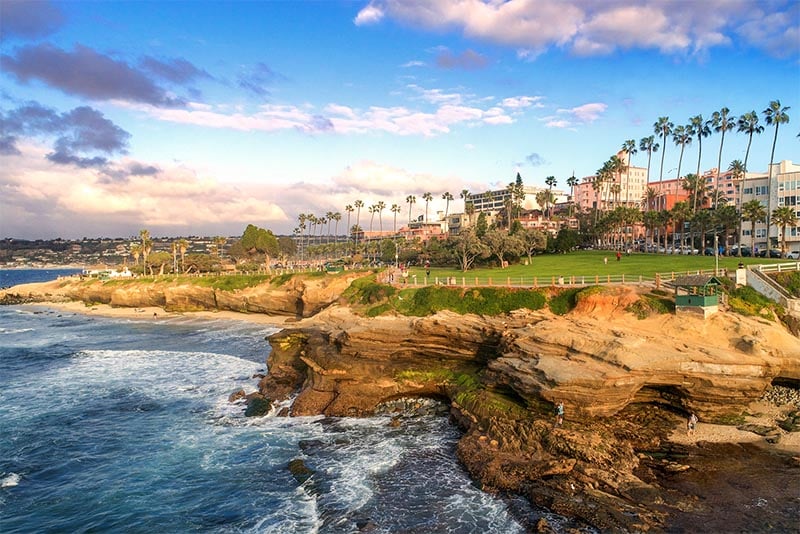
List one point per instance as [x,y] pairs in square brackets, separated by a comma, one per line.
[589,263]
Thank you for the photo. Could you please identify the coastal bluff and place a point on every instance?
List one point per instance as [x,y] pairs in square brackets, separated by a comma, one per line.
[627,384]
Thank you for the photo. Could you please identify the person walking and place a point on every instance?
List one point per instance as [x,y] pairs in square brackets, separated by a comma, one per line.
[691,424]
[559,414]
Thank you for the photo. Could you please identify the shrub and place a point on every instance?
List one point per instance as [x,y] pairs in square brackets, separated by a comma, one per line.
[747,301]
[482,301]
[564,301]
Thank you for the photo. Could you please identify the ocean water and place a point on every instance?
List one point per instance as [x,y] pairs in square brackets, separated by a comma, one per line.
[111,425]
[12,277]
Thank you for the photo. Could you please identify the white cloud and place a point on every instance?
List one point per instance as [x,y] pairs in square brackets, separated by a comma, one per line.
[448,110]
[558,123]
[587,112]
[369,15]
[76,201]
[519,102]
[413,63]
[590,27]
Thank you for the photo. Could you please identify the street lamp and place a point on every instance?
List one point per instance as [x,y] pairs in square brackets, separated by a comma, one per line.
[716,255]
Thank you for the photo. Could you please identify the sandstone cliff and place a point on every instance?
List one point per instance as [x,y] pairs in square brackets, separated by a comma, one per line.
[300,296]
[624,382]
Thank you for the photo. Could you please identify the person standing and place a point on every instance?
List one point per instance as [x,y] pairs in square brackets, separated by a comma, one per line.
[691,424]
[559,414]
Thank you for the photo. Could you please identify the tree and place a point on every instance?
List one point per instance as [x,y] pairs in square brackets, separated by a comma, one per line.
[469,207]
[682,137]
[427,197]
[219,244]
[663,127]
[447,197]
[650,196]
[736,169]
[136,251]
[381,206]
[533,240]
[572,182]
[550,181]
[174,247]
[336,216]
[748,123]
[410,200]
[649,145]
[349,209]
[159,259]
[258,241]
[147,246]
[753,211]
[726,218]
[651,222]
[482,225]
[286,247]
[502,243]
[183,246]
[358,204]
[694,185]
[566,240]
[681,212]
[468,247]
[777,115]
[701,220]
[629,147]
[722,123]
[395,209]
[784,216]
[700,128]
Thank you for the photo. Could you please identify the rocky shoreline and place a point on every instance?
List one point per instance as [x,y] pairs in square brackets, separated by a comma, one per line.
[617,463]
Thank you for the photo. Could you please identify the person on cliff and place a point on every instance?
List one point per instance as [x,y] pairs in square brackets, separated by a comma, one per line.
[559,414]
[691,423]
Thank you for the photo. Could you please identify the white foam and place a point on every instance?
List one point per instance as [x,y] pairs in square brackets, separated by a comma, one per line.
[10,480]
[14,330]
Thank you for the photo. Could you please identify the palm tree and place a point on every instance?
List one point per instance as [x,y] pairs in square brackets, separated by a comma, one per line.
[777,115]
[722,123]
[681,212]
[784,216]
[651,221]
[726,217]
[358,204]
[702,220]
[147,246]
[447,197]
[174,247]
[650,196]
[572,182]
[395,209]
[695,186]
[329,218]
[748,123]
[136,251]
[183,246]
[629,147]
[700,128]
[663,127]
[381,205]
[427,197]
[349,209]
[410,200]
[219,244]
[736,169]
[753,211]
[336,216]
[649,145]
[551,182]
[682,137]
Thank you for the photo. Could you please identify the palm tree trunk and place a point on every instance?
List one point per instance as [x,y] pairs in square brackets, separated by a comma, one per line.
[769,185]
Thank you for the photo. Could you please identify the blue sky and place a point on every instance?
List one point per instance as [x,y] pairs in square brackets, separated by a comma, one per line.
[198,118]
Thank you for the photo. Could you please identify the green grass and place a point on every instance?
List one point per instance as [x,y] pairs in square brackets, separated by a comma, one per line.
[588,263]
[747,301]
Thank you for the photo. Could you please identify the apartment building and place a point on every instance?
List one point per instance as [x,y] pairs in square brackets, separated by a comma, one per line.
[493,201]
[782,189]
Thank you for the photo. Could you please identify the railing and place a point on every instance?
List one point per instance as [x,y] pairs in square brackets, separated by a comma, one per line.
[522,281]
[777,267]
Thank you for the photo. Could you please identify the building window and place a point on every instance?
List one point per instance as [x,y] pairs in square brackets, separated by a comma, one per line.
[747,191]
[762,190]
[761,233]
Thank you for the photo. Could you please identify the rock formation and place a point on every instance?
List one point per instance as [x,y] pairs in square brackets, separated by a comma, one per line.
[502,376]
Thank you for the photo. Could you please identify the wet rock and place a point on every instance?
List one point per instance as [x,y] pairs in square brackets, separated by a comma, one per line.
[257,406]
[792,422]
[300,470]
[237,395]
[761,430]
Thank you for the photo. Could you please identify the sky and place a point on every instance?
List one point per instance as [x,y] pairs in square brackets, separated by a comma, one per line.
[199,118]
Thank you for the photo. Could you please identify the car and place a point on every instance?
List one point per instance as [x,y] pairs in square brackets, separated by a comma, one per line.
[771,253]
[793,255]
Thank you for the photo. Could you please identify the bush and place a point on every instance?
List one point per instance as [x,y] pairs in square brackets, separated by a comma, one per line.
[482,301]
[564,301]
[790,281]
[747,301]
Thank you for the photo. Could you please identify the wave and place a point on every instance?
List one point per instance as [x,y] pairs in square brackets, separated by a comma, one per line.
[10,480]
[4,330]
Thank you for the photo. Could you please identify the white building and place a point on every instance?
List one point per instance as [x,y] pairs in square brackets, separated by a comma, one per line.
[782,189]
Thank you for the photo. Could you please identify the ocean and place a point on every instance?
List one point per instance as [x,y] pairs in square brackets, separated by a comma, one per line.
[120,425]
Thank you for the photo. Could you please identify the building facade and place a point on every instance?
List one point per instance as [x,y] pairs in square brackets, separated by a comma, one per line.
[781,189]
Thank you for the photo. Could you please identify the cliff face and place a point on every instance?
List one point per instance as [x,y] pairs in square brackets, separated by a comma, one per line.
[503,375]
[300,296]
